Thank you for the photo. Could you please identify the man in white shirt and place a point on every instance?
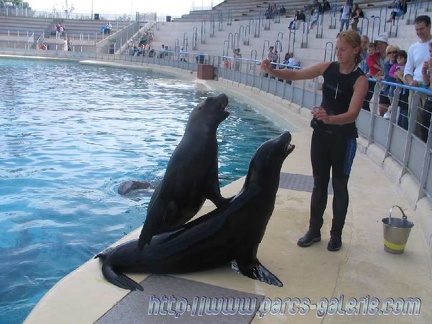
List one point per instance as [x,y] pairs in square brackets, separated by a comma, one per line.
[418,53]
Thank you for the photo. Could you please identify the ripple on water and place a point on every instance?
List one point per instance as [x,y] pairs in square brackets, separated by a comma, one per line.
[69,135]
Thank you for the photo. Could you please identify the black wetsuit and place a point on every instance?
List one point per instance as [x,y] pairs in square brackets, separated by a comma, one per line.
[333,146]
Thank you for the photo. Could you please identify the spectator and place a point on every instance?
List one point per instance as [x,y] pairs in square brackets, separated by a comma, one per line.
[292,60]
[314,20]
[106,29]
[364,46]
[384,100]
[182,55]
[237,56]
[380,46]
[162,52]
[404,94]
[373,61]
[399,65]
[427,108]
[65,45]
[355,15]
[418,53]
[400,10]
[301,18]
[69,44]
[282,10]
[345,14]
[292,25]
[326,5]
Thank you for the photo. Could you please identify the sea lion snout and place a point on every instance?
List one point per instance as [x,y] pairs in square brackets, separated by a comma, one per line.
[223,100]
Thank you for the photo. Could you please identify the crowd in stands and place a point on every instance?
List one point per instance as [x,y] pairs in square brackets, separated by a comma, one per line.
[106,28]
[58,29]
[383,61]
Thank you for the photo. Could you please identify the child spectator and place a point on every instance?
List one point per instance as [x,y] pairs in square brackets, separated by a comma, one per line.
[399,65]
[404,94]
[372,61]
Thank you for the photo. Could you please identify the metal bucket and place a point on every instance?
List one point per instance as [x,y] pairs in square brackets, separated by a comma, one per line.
[396,232]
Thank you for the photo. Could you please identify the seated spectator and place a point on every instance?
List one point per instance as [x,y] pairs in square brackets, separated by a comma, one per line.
[326,5]
[400,10]
[106,28]
[301,18]
[314,20]
[292,24]
[54,30]
[282,10]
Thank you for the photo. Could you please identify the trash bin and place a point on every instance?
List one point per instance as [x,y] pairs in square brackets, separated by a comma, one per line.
[111,49]
[168,18]
[396,232]
[205,72]
[96,16]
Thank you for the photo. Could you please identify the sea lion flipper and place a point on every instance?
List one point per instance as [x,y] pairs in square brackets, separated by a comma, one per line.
[119,279]
[257,271]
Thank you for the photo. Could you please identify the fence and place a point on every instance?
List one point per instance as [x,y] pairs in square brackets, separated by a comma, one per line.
[403,137]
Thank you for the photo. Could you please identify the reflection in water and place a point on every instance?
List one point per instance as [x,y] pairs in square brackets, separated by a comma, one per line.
[69,135]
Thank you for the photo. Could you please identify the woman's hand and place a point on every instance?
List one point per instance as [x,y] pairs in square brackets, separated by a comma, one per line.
[319,113]
[266,66]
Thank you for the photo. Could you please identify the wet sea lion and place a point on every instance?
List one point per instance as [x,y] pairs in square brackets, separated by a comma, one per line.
[132,185]
[231,232]
[191,175]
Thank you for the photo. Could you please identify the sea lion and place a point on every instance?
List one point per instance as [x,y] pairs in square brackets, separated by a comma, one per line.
[231,232]
[191,175]
[132,185]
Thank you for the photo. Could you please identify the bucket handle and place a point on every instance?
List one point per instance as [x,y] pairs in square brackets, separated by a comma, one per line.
[404,217]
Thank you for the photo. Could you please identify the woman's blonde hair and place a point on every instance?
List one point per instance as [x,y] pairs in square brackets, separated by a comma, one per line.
[393,48]
[353,38]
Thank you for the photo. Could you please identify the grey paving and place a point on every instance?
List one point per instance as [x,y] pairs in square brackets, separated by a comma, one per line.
[299,182]
[193,300]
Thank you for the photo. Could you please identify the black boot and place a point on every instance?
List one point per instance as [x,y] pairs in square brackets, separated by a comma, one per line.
[309,238]
[335,243]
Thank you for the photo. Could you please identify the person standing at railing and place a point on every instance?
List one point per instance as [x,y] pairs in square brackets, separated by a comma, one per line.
[427,108]
[334,136]
[379,46]
[418,53]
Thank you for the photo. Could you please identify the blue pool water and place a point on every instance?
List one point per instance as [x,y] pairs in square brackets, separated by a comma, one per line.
[69,135]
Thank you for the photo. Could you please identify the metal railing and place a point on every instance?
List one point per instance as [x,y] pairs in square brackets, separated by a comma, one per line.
[408,142]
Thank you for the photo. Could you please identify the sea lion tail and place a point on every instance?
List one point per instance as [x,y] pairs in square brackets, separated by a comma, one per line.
[116,278]
[119,279]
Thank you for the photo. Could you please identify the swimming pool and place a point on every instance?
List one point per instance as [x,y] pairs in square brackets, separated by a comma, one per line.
[69,135]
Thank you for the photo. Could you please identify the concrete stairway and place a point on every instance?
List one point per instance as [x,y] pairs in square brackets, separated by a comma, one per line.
[308,49]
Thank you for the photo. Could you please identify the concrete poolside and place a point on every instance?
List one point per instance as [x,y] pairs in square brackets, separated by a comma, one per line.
[361,269]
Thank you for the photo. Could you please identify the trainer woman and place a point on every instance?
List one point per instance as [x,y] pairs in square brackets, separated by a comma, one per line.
[334,137]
